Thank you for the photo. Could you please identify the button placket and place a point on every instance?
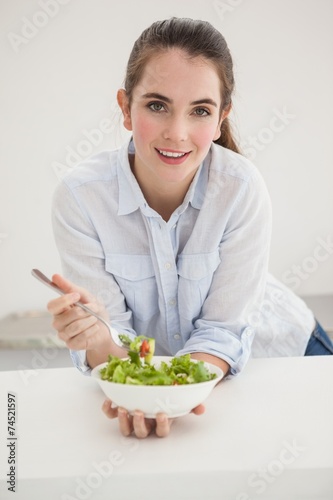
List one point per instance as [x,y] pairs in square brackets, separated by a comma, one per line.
[165,257]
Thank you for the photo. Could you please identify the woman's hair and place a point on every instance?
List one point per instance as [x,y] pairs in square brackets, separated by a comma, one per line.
[198,39]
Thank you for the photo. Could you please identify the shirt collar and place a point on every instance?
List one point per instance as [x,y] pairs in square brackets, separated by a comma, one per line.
[130,195]
[198,187]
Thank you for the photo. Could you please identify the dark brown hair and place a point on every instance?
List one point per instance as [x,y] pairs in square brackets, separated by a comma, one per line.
[198,39]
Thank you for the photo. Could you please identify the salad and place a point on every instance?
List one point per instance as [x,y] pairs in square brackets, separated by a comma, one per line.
[138,370]
[139,347]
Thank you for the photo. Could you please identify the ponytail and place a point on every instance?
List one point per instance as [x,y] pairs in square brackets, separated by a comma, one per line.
[226,138]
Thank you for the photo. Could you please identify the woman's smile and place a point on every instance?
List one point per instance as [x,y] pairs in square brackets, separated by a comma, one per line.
[171,157]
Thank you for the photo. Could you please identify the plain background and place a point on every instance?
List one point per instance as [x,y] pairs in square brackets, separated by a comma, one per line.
[62,63]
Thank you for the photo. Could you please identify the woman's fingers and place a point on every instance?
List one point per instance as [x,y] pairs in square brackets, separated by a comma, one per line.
[163,424]
[86,336]
[76,327]
[142,426]
[109,411]
[125,422]
[70,287]
[79,325]
[199,410]
[137,424]
[62,319]
[72,294]
[62,304]
[68,320]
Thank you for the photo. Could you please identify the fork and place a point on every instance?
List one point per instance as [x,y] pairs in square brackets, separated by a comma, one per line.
[43,279]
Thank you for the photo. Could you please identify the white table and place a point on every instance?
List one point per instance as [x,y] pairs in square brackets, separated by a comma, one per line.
[267,434]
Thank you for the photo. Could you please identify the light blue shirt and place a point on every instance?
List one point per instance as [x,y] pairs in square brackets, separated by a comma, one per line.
[194,283]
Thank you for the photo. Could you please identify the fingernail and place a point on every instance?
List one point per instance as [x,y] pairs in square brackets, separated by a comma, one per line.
[75,296]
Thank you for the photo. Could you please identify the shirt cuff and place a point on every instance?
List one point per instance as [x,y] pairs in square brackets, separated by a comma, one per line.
[79,359]
[235,351]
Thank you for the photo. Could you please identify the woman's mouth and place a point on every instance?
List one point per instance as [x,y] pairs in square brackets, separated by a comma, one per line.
[172,157]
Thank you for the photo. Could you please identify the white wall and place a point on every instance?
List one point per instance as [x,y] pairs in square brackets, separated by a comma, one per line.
[61,78]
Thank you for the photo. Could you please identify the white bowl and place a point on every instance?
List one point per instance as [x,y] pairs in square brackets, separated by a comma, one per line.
[173,400]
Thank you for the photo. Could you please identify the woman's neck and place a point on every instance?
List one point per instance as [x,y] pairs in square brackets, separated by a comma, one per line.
[162,196]
[163,203]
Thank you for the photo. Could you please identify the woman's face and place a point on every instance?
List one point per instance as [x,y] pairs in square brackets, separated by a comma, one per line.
[174,116]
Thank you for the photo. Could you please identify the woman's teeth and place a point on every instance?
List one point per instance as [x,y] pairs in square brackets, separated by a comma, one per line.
[170,154]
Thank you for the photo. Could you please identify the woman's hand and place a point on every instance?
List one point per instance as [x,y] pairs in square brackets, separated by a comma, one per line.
[140,426]
[76,327]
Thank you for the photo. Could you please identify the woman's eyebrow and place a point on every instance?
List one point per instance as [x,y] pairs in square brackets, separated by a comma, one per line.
[154,95]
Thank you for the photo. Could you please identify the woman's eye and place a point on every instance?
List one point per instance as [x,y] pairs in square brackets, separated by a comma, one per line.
[201,112]
[156,106]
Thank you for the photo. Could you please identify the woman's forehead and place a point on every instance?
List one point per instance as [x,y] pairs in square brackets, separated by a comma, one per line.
[172,70]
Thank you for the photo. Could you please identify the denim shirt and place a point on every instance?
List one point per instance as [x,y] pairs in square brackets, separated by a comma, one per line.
[194,283]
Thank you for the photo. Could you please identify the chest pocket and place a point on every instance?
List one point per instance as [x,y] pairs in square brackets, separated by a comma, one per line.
[195,278]
[135,276]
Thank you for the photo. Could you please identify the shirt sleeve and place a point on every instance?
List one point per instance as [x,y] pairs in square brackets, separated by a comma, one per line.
[226,325]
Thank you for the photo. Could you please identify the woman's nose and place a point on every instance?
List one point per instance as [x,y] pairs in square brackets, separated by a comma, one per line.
[176,129]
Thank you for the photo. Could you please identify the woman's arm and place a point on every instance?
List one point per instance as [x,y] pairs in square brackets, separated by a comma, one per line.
[209,358]
[83,262]
[237,242]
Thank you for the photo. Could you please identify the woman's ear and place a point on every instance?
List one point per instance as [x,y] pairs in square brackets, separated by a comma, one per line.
[123,103]
[224,115]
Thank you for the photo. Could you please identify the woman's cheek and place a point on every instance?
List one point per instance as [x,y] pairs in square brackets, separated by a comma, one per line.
[205,136]
[145,129]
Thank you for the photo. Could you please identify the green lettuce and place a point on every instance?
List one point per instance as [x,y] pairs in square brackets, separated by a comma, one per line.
[179,371]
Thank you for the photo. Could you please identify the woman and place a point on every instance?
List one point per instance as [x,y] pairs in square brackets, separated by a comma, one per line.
[170,234]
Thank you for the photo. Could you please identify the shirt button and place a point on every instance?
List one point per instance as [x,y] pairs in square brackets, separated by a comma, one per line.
[172,302]
[248,332]
[167,266]
[176,336]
